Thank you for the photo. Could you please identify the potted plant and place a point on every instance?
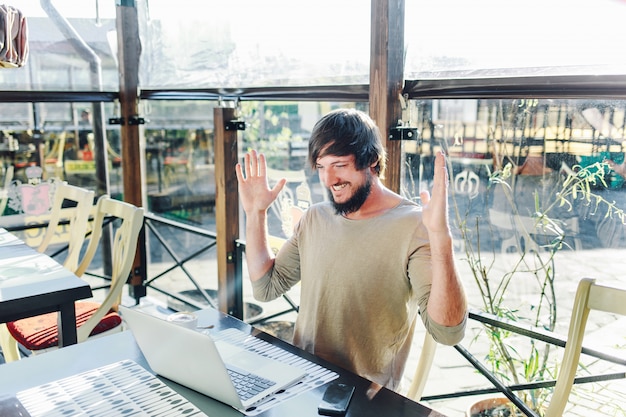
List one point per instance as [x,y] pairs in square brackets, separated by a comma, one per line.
[492,407]
[530,249]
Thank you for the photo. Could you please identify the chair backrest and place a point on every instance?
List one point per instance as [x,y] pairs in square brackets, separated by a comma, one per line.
[589,296]
[467,183]
[123,250]
[4,193]
[423,368]
[54,159]
[78,220]
[290,206]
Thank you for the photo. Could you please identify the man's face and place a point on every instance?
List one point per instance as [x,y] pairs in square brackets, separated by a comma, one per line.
[348,187]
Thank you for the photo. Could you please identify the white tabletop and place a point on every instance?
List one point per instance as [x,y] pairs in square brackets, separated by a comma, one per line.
[33,283]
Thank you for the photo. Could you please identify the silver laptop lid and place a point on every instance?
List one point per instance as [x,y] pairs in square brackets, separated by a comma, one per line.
[182,355]
[195,360]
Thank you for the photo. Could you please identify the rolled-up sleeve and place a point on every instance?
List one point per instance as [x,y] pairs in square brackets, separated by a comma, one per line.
[445,335]
[421,276]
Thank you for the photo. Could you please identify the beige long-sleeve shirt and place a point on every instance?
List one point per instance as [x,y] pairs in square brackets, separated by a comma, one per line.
[363,282]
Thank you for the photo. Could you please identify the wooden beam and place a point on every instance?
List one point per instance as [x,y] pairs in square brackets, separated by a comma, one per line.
[386,78]
[129,51]
[230,294]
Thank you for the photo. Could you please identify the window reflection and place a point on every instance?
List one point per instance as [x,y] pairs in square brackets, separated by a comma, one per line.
[516,168]
[529,148]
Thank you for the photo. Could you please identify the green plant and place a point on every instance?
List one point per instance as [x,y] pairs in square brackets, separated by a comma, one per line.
[517,360]
[268,131]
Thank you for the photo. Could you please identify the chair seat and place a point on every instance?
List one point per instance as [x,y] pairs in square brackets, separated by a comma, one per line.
[41,332]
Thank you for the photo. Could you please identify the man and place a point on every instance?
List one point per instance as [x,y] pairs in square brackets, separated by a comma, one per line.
[367,260]
[83,135]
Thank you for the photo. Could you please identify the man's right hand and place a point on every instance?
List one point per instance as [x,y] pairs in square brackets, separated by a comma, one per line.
[254,191]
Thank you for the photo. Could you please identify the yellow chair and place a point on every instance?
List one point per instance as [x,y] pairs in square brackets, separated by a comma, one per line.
[40,333]
[423,368]
[589,296]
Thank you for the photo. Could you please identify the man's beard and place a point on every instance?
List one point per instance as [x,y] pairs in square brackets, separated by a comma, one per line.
[355,202]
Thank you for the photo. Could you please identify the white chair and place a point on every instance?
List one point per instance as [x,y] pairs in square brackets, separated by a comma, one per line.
[519,232]
[589,296]
[8,345]
[4,193]
[40,333]
[467,183]
[289,206]
[53,161]
[422,370]
[78,217]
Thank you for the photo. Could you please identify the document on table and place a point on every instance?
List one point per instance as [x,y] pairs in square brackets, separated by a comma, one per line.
[21,265]
[8,238]
[120,389]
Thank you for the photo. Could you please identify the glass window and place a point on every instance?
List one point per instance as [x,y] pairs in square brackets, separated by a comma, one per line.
[42,142]
[71,47]
[180,180]
[227,45]
[536,192]
[491,38]
[73,43]
[180,176]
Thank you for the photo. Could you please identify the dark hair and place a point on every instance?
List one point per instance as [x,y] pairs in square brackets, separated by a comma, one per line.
[345,132]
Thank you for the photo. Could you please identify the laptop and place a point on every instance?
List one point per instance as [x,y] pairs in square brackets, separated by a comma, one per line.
[211,367]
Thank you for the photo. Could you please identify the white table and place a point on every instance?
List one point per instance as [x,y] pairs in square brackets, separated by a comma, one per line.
[32,283]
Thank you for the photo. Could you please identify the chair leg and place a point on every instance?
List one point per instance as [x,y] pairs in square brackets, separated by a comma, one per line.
[9,347]
[423,368]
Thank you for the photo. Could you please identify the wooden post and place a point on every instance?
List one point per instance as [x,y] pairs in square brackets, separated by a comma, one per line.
[230,293]
[129,50]
[386,78]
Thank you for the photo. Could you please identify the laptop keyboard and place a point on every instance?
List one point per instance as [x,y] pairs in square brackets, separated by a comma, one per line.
[248,385]
[317,375]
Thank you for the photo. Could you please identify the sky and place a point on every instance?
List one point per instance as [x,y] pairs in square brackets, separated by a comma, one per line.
[483,33]
[67,8]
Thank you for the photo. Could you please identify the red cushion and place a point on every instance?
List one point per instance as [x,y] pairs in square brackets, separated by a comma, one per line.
[170,160]
[41,332]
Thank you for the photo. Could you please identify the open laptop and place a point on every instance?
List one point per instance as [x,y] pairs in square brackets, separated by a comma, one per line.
[195,360]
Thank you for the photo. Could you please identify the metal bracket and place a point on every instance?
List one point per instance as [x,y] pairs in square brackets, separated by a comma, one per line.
[132,121]
[230,257]
[235,125]
[403,133]
[136,120]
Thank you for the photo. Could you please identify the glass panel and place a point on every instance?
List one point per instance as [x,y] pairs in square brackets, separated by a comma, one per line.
[500,145]
[248,43]
[56,139]
[281,131]
[537,203]
[180,170]
[180,166]
[226,46]
[496,147]
[486,38]
[71,44]
[536,191]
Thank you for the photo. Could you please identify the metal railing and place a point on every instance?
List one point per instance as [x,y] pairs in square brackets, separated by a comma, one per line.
[152,223]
